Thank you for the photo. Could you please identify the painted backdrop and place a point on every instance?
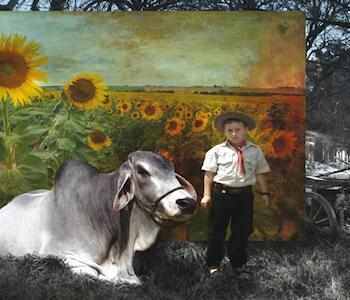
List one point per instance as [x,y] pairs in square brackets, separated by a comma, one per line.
[97,86]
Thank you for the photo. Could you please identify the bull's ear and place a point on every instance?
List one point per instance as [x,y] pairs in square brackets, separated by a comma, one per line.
[125,191]
[187,186]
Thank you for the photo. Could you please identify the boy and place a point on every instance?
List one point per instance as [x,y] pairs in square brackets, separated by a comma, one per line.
[231,169]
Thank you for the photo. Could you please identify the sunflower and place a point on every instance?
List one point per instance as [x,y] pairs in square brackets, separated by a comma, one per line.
[174,126]
[119,111]
[282,143]
[97,140]
[180,108]
[125,106]
[135,115]
[18,61]
[178,114]
[86,91]
[166,154]
[217,111]
[205,116]
[199,114]
[151,111]
[168,104]
[199,125]
[106,100]
[183,106]
[202,115]
[188,114]
[263,134]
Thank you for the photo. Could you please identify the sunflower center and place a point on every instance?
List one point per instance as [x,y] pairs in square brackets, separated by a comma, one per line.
[13,70]
[106,100]
[150,110]
[279,144]
[172,125]
[7,70]
[97,137]
[125,106]
[82,90]
[198,123]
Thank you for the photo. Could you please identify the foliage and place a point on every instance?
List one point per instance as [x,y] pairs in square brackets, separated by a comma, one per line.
[43,136]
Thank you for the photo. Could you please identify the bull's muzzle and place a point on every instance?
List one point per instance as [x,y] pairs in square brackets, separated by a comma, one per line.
[186,205]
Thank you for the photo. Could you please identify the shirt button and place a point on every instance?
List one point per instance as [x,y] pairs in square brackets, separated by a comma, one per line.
[223,191]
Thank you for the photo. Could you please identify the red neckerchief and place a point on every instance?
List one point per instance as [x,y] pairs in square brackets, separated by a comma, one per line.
[240,163]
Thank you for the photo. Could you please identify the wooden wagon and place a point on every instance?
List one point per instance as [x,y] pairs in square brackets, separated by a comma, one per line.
[328,204]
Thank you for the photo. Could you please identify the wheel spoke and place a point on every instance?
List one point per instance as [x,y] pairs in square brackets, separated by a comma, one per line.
[317,213]
[322,221]
[311,210]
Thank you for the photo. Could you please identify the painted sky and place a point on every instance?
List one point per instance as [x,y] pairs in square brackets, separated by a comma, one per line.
[235,49]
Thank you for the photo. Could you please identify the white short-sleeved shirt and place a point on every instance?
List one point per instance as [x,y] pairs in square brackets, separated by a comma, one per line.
[222,159]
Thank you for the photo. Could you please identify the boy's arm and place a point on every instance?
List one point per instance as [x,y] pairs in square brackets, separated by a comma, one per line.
[261,179]
[208,182]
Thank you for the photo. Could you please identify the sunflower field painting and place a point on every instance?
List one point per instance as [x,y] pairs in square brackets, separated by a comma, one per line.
[97,86]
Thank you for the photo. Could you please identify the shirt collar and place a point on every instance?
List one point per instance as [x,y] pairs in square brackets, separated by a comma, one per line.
[248,144]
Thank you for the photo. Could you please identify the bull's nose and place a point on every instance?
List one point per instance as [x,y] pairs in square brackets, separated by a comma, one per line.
[187,205]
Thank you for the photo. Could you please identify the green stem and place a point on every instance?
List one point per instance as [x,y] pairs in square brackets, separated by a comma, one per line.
[13,157]
[69,111]
[68,114]
[5,117]
[7,131]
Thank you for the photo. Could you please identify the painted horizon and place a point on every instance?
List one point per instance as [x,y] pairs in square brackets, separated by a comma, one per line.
[234,49]
[169,74]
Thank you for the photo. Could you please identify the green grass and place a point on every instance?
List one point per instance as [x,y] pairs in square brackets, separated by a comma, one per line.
[312,269]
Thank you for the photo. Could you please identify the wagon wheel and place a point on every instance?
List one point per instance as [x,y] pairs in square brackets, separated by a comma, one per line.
[320,215]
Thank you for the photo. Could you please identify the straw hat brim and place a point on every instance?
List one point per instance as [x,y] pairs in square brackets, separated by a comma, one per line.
[220,120]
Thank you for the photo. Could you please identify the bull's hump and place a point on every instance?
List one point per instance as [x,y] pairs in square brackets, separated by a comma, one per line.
[75,169]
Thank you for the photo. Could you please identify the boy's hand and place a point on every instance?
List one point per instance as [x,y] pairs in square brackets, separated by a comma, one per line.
[266,200]
[206,200]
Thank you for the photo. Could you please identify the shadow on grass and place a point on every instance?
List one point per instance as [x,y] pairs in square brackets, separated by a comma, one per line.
[311,269]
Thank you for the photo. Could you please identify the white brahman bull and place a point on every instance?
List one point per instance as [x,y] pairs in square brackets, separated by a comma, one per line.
[97,221]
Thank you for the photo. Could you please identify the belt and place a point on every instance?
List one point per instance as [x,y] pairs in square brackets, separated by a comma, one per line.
[232,190]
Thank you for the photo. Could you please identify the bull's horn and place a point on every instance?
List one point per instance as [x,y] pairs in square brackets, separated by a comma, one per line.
[187,186]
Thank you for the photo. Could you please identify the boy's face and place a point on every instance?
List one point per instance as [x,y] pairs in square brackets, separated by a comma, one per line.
[235,132]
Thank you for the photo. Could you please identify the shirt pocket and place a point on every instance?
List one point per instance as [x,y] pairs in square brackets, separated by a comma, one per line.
[225,159]
[250,163]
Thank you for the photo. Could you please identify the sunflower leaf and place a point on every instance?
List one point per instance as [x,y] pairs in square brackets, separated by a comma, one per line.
[44,155]
[12,182]
[30,133]
[2,150]
[66,144]
[32,168]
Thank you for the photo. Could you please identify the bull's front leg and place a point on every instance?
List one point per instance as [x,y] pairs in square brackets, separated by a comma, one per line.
[119,269]
[117,272]
[82,267]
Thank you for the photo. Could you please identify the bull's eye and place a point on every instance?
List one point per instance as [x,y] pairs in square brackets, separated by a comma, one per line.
[142,171]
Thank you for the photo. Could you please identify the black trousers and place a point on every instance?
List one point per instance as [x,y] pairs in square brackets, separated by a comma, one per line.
[239,209]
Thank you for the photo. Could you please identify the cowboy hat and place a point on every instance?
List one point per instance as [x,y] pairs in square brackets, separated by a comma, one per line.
[220,119]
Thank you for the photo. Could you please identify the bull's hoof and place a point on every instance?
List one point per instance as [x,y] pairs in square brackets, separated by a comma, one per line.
[85,270]
[132,280]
